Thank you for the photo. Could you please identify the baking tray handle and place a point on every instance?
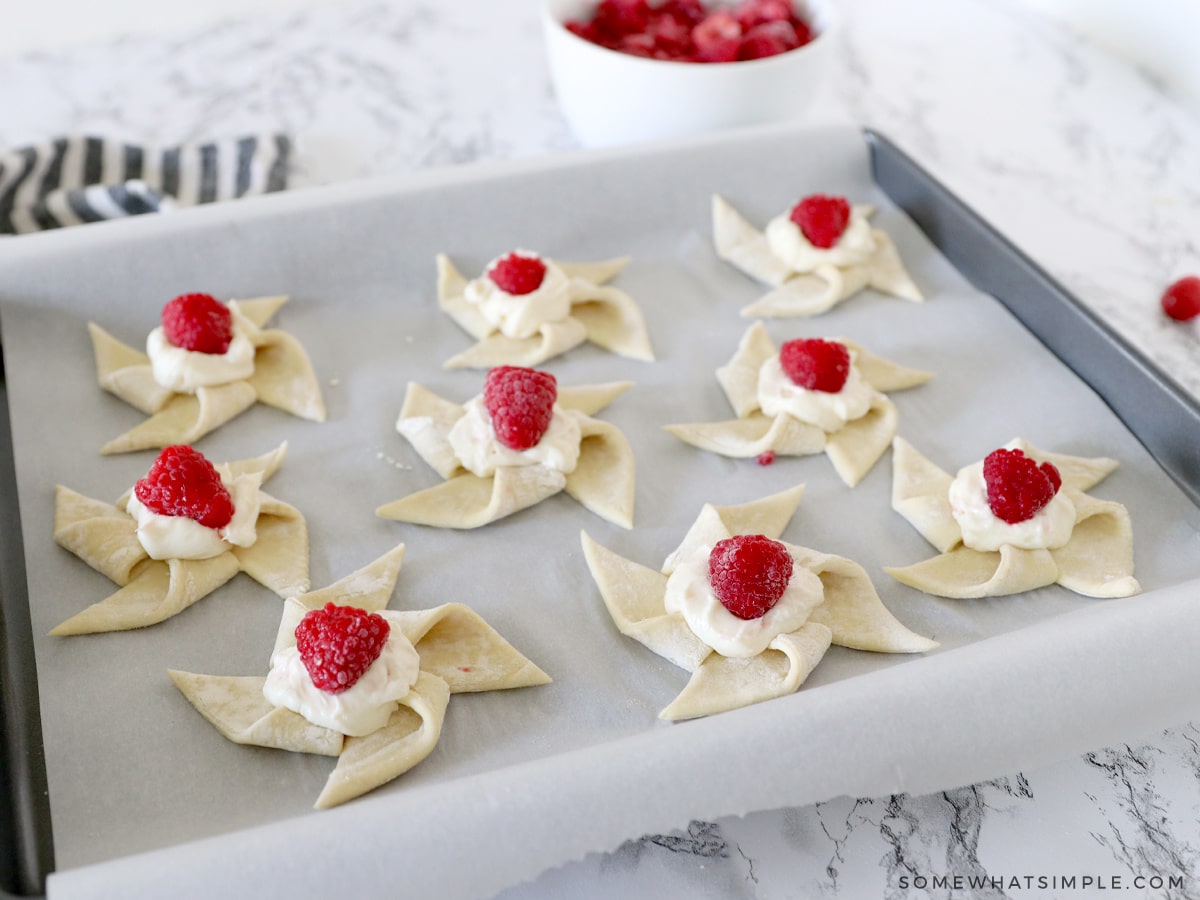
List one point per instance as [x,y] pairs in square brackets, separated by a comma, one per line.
[26,845]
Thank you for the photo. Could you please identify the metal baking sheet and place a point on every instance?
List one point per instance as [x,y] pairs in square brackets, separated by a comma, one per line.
[145,795]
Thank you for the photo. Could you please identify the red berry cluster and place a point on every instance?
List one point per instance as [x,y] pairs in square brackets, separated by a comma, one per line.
[337,644]
[521,404]
[183,483]
[1017,487]
[198,322]
[816,364]
[684,31]
[516,274]
[749,573]
[822,219]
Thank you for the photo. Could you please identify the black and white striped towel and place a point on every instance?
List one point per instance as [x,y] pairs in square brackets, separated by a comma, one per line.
[73,180]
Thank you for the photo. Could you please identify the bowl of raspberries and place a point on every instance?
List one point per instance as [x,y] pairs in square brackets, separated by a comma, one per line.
[633,70]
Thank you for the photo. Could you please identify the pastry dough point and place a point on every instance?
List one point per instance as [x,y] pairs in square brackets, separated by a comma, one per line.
[458,652]
[805,293]
[853,449]
[603,480]
[849,613]
[283,378]
[105,537]
[600,313]
[236,707]
[1097,560]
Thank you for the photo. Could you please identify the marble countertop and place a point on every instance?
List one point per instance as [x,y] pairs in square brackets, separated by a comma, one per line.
[1088,164]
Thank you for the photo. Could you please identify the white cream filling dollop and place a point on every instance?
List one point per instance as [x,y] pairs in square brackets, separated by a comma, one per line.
[690,593]
[983,530]
[365,706]
[777,393]
[522,315]
[183,371]
[474,442]
[855,246]
[178,537]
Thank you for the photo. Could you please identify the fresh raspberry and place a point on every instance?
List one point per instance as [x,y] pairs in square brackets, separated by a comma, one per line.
[672,38]
[636,45]
[717,37]
[755,12]
[685,12]
[517,274]
[183,483]
[768,39]
[621,17]
[338,643]
[822,218]
[766,458]
[1017,487]
[749,573]
[521,404]
[198,322]
[1181,301]
[816,364]
[804,33]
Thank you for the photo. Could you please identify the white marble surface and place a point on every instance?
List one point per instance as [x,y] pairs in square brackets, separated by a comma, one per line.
[1089,165]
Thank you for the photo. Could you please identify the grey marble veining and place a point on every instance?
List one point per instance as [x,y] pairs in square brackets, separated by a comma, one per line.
[1087,163]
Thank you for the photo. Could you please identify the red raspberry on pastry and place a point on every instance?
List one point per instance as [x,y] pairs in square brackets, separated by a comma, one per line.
[521,404]
[517,274]
[816,364]
[337,644]
[1017,487]
[183,483]
[749,573]
[822,218]
[1181,301]
[198,322]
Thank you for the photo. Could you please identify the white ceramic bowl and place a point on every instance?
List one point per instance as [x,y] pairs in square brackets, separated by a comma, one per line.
[614,98]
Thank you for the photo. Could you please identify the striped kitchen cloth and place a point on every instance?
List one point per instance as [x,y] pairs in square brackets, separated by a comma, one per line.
[73,180]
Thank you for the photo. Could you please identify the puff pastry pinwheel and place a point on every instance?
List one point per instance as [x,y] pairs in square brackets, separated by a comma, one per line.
[813,395]
[207,363]
[522,440]
[748,615]
[221,525]
[814,256]
[1019,520]
[526,309]
[376,703]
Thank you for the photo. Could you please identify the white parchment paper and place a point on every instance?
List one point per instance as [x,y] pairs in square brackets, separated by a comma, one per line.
[149,800]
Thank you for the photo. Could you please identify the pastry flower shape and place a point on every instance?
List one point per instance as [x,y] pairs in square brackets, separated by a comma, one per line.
[182,532]
[815,256]
[207,363]
[522,440]
[351,679]
[1019,520]
[812,395]
[748,615]
[526,309]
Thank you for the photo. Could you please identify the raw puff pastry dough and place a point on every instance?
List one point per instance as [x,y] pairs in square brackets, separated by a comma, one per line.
[283,377]
[851,615]
[105,537]
[1096,562]
[603,480]
[602,314]
[806,293]
[853,449]
[459,652]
